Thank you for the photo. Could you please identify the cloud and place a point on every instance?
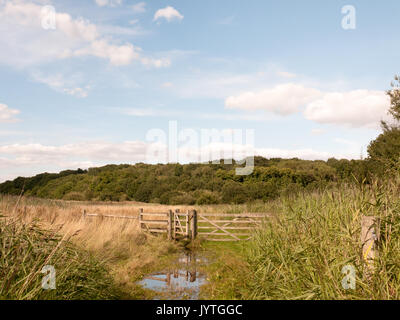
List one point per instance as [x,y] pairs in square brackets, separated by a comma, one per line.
[285,74]
[359,108]
[25,42]
[60,83]
[7,114]
[356,108]
[177,114]
[306,154]
[35,153]
[110,3]
[168,13]
[227,21]
[284,99]
[157,63]
[139,7]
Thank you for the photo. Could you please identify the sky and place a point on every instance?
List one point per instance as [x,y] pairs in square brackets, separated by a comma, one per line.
[94,82]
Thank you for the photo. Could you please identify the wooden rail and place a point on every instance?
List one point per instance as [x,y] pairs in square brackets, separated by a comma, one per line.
[191,225]
[229,226]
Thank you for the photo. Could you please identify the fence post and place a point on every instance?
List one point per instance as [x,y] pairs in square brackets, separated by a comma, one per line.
[84,213]
[141,218]
[176,221]
[170,216]
[187,224]
[369,240]
[194,224]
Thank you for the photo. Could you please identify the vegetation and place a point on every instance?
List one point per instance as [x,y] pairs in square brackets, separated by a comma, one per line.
[189,184]
[25,249]
[94,258]
[300,254]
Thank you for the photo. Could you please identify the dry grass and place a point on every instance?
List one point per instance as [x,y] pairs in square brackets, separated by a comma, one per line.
[118,242]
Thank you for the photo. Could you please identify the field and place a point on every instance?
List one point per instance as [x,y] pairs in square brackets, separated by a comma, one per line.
[297,254]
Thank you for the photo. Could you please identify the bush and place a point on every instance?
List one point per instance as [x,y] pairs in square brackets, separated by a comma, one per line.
[75,196]
[205,197]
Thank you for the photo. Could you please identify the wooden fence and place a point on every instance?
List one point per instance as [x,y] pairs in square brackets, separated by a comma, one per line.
[191,224]
[208,226]
[228,227]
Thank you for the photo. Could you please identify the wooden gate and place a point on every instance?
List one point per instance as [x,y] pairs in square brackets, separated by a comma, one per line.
[228,227]
[155,222]
[175,224]
[190,224]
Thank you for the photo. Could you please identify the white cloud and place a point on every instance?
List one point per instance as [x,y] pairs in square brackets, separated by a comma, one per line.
[283,99]
[139,7]
[157,63]
[36,153]
[61,83]
[7,114]
[162,113]
[118,55]
[110,3]
[306,154]
[114,30]
[285,74]
[168,13]
[24,42]
[359,108]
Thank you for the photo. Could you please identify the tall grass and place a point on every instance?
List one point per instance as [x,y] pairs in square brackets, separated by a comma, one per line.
[33,228]
[25,249]
[300,254]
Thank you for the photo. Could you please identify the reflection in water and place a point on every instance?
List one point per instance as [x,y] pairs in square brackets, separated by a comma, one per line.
[183,281]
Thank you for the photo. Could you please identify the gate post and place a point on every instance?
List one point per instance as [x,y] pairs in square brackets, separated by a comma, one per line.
[170,226]
[188,224]
[141,218]
[369,240]
[194,224]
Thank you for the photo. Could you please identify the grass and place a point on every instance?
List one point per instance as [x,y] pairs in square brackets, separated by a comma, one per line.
[297,254]
[25,249]
[300,253]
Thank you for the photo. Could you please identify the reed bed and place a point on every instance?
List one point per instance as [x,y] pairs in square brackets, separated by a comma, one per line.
[300,254]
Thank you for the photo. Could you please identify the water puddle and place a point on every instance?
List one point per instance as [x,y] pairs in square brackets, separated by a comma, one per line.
[181,281]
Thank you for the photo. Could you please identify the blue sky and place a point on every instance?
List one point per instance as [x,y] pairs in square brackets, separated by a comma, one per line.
[88,91]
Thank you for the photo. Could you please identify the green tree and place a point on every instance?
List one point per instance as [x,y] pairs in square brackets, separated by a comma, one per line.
[386,148]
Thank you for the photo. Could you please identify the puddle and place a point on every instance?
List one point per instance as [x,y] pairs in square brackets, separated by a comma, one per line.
[181,281]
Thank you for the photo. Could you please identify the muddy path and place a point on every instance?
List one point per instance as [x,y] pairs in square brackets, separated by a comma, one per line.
[182,279]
